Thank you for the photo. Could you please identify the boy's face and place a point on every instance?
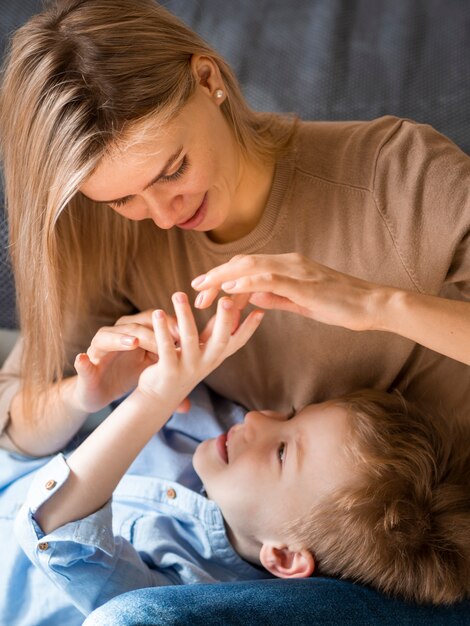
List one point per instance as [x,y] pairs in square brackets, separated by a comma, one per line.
[271,470]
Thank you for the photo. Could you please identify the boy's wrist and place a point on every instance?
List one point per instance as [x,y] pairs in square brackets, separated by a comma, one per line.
[157,408]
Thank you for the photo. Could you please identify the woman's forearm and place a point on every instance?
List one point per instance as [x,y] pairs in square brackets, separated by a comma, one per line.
[437,323]
[59,421]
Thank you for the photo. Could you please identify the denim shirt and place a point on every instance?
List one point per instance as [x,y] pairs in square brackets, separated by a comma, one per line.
[159,529]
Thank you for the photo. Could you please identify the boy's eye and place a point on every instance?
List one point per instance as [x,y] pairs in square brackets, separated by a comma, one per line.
[280,452]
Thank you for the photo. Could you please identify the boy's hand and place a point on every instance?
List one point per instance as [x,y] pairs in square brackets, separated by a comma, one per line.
[115,359]
[180,368]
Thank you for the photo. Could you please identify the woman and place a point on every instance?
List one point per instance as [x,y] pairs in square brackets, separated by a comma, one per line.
[133,165]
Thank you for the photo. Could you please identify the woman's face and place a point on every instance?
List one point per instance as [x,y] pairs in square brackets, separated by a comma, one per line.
[187,175]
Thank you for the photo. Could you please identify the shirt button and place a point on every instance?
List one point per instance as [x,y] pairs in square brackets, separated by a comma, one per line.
[171,493]
[50,484]
[43,546]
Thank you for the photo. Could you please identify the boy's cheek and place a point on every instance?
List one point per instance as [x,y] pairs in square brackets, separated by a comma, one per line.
[198,460]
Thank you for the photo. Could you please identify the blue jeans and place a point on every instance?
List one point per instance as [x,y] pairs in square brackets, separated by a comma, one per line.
[305,602]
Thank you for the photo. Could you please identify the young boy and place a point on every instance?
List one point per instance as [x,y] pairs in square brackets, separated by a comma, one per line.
[363,487]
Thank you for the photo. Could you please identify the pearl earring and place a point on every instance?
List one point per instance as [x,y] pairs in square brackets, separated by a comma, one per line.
[218,93]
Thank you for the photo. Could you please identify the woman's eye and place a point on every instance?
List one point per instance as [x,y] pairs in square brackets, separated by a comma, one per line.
[280,452]
[118,203]
[179,172]
[165,179]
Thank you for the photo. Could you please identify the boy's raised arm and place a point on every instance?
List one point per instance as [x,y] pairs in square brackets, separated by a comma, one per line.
[99,463]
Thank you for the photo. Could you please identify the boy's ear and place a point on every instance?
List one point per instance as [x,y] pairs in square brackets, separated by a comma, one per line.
[283,562]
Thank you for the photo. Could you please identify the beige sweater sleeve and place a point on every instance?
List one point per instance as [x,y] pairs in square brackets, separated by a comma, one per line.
[422,190]
[9,385]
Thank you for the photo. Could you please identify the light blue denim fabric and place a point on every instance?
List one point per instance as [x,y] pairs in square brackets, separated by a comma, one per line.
[307,602]
[146,538]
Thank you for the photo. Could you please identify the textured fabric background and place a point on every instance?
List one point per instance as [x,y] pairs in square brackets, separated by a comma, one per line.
[323,59]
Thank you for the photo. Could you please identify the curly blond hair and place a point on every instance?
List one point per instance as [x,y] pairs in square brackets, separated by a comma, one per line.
[404,525]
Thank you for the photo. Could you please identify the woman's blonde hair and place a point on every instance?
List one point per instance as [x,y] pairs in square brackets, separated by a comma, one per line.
[77,77]
[403,524]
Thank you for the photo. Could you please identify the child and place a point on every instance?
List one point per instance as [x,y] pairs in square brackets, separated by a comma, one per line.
[363,487]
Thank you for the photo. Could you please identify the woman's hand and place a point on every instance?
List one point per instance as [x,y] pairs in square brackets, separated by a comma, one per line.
[181,367]
[115,359]
[291,282]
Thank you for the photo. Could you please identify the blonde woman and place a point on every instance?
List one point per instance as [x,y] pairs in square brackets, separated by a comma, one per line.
[133,165]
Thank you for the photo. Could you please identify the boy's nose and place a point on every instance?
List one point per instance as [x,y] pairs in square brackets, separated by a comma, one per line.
[258,423]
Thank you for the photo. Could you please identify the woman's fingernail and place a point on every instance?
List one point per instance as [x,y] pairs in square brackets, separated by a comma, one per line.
[227,304]
[259,316]
[198,281]
[179,297]
[229,285]
[199,300]
[127,341]
[158,314]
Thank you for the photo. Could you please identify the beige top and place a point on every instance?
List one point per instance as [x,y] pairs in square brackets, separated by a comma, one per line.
[387,201]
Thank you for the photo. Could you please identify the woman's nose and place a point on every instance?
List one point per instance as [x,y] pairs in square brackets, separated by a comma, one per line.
[165,211]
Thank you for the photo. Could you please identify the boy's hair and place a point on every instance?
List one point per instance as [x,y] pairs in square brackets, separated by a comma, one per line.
[404,525]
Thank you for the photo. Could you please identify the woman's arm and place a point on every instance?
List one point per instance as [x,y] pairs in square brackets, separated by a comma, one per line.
[99,463]
[291,282]
[109,369]
[438,323]
[59,422]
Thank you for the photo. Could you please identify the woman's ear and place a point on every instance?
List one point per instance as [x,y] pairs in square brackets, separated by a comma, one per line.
[208,76]
[283,562]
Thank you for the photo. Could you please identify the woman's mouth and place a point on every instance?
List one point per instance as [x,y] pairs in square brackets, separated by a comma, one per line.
[197,217]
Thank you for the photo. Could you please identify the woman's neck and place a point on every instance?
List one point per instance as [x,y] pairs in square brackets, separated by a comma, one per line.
[250,200]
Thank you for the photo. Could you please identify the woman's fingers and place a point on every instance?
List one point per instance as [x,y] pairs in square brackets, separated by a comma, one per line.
[280,287]
[121,338]
[83,366]
[144,318]
[272,301]
[206,298]
[243,266]
[184,406]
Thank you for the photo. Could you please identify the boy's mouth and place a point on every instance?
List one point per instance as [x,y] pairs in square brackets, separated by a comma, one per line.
[221,445]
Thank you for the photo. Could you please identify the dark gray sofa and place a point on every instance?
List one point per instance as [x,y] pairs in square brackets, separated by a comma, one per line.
[323,59]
